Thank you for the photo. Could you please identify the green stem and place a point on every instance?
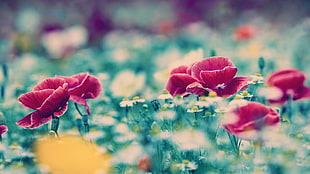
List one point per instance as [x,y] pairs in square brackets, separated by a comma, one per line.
[86,125]
[254,92]
[235,142]
[289,108]
[1,152]
[55,125]
[5,81]
[78,109]
[84,118]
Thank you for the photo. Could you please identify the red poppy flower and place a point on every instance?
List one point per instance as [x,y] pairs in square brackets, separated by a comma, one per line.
[3,129]
[83,86]
[144,164]
[290,82]
[247,121]
[244,32]
[179,81]
[49,97]
[215,74]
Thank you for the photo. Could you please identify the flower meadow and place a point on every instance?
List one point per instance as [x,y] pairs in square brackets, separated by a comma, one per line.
[138,87]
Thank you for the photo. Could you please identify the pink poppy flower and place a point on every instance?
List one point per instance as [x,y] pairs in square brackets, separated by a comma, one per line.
[83,86]
[144,164]
[247,121]
[215,74]
[290,82]
[49,97]
[244,32]
[3,129]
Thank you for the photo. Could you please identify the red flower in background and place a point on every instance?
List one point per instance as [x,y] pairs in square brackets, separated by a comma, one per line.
[49,97]
[215,74]
[244,32]
[83,86]
[291,83]
[144,164]
[3,129]
[247,121]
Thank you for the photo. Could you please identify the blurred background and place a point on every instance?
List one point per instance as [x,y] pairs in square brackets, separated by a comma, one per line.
[148,38]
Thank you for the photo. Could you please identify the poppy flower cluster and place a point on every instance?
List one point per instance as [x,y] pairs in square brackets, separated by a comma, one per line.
[50,97]
[291,83]
[214,74]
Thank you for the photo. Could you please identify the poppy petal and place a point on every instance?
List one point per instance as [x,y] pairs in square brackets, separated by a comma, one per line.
[62,110]
[49,83]
[250,119]
[81,101]
[196,88]
[217,77]
[34,99]
[210,64]
[279,101]
[235,85]
[180,69]
[26,122]
[177,83]
[54,102]
[287,79]
[305,92]
[72,82]
[3,129]
[83,85]
[94,88]
[37,120]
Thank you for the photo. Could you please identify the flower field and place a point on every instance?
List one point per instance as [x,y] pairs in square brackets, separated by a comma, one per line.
[154,87]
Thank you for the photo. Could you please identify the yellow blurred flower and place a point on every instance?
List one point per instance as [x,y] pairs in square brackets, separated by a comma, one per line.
[71,154]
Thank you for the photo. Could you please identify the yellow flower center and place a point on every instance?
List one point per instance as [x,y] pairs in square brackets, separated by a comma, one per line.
[245,93]
[195,108]
[258,74]
[185,161]
[165,91]
[136,98]
[212,94]
[203,98]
